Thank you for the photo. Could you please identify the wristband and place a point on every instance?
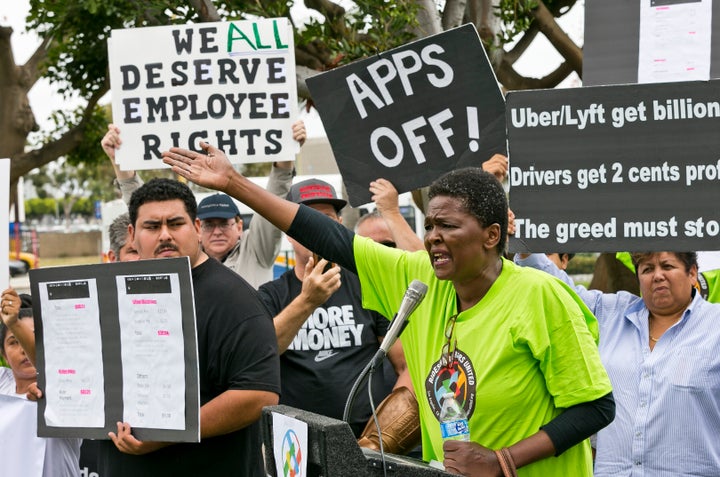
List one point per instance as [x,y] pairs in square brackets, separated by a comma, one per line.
[507,464]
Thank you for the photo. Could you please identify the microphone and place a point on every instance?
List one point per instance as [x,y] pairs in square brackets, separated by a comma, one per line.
[413,296]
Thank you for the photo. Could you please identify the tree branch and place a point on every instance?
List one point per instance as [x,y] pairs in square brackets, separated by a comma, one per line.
[512,80]
[428,19]
[522,44]
[334,14]
[206,10]
[557,37]
[33,69]
[7,58]
[26,162]
[302,74]
[453,14]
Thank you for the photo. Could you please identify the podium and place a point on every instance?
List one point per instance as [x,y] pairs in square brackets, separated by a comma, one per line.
[333,450]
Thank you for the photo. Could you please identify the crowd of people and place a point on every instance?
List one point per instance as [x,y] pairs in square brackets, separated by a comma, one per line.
[541,367]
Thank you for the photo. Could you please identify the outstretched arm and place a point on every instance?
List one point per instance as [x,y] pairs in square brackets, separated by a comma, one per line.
[213,170]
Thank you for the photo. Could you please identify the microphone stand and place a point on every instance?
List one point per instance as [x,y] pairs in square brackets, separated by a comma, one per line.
[368,369]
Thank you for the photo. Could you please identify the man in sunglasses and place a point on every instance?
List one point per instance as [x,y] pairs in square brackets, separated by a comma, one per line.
[251,253]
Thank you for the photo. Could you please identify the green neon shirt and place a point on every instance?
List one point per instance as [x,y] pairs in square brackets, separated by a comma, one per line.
[525,351]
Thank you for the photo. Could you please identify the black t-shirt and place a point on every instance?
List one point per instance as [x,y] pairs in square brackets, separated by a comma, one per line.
[237,349]
[327,355]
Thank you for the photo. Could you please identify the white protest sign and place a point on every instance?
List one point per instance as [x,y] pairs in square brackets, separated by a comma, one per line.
[231,84]
[290,445]
[21,452]
[4,220]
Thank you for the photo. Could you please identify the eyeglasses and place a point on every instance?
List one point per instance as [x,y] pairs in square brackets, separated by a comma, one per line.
[224,226]
[448,349]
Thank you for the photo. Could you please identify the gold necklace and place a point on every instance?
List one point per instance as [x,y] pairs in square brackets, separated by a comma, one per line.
[654,340]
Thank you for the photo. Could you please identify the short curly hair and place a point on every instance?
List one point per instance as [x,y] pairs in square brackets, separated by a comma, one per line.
[481,194]
[161,190]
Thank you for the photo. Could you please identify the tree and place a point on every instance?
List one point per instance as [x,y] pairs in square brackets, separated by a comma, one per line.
[73,52]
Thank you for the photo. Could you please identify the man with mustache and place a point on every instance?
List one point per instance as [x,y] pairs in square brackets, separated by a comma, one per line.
[237,350]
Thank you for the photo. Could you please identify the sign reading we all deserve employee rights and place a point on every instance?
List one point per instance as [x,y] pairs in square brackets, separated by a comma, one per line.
[608,168]
[412,113]
[231,84]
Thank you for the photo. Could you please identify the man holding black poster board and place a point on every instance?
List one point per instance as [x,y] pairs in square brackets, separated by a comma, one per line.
[239,370]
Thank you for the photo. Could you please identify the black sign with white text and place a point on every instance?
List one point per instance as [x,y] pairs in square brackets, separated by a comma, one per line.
[608,168]
[412,113]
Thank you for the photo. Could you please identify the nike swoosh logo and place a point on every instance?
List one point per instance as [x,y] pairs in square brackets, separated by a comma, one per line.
[323,355]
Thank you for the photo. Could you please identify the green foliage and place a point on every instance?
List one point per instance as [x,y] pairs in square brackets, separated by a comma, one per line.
[37,208]
[84,206]
[78,61]
[516,16]
[370,27]
[582,264]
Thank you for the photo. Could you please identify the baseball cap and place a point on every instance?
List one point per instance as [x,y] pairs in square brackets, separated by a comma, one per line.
[315,191]
[217,206]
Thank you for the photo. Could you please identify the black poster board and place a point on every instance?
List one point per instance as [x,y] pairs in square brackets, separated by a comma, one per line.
[116,299]
[608,168]
[412,113]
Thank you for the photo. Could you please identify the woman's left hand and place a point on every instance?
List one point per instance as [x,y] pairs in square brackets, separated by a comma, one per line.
[470,459]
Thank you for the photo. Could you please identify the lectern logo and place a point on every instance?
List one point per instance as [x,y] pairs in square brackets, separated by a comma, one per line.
[292,455]
[458,378]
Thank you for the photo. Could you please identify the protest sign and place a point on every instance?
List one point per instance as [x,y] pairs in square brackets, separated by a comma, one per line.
[137,364]
[608,168]
[412,113]
[231,84]
[650,41]
[21,452]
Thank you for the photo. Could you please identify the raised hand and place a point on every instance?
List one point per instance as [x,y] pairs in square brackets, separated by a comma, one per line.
[497,166]
[299,132]
[212,170]
[10,307]
[385,196]
[318,285]
[111,141]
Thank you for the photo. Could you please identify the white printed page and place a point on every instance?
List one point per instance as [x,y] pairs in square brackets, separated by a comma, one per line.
[152,351]
[75,392]
[674,40]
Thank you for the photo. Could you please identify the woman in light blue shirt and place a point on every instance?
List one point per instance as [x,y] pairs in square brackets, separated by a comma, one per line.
[662,353]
